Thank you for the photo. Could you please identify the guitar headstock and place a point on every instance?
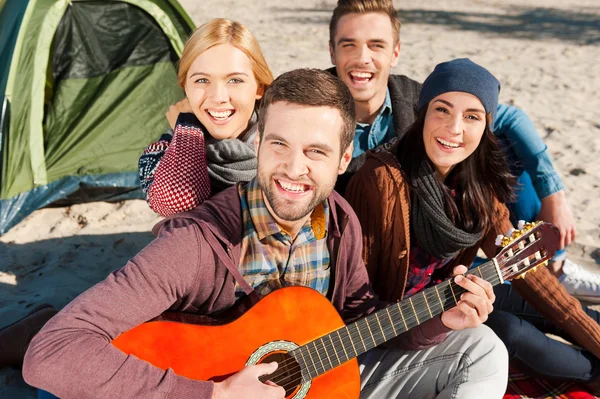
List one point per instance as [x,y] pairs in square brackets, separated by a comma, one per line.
[532,245]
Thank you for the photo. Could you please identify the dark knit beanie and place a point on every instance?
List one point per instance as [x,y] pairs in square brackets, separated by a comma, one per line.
[463,75]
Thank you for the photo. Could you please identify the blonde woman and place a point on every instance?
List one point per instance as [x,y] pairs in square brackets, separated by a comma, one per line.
[224,75]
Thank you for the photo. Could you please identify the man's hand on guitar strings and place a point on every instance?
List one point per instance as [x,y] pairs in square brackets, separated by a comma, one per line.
[474,305]
[245,384]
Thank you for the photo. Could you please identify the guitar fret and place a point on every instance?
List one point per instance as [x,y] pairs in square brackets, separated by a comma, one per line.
[370,332]
[381,328]
[312,361]
[413,308]
[479,270]
[318,355]
[439,297]
[351,341]
[343,345]
[334,350]
[326,352]
[402,315]
[427,303]
[360,335]
[306,363]
[450,285]
[391,322]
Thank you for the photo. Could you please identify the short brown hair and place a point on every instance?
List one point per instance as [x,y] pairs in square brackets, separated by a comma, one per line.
[314,88]
[345,7]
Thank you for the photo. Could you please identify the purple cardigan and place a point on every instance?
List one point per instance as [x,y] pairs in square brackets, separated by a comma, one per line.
[190,267]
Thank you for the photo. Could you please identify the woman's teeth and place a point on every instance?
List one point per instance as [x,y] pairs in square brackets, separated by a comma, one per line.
[220,115]
[447,144]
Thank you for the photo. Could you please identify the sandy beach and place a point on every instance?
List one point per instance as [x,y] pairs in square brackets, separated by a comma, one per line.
[545,53]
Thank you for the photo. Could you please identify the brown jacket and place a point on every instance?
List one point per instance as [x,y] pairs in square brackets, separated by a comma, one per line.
[380,197]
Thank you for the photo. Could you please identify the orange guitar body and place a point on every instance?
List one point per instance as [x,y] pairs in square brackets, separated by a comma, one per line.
[296,315]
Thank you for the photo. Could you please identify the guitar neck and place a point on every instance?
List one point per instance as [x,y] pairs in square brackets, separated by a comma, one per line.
[331,350]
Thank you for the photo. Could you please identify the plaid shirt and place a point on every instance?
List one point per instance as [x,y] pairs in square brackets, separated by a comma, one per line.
[270,258]
[424,271]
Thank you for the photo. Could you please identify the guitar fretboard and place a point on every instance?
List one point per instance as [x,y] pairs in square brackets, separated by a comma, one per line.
[331,350]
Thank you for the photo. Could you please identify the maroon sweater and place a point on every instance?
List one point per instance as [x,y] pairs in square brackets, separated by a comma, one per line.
[189,267]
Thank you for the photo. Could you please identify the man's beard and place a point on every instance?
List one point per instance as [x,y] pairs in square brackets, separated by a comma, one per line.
[284,210]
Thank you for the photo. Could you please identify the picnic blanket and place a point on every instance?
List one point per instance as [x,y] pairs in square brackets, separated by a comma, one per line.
[521,385]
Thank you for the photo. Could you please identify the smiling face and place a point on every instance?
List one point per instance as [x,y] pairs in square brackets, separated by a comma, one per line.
[299,159]
[222,90]
[363,52]
[454,124]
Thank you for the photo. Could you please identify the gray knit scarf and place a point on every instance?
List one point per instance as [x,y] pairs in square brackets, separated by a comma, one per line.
[232,160]
[434,231]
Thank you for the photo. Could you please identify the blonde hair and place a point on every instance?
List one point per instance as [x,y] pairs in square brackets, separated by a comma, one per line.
[223,31]
[345,7]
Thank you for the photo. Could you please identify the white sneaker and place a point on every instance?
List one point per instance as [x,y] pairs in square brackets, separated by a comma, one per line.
[580,283]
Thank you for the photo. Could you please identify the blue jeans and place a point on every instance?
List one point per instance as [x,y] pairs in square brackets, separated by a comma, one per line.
[523,329]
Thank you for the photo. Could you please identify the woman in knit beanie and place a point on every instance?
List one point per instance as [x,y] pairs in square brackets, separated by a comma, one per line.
[430,200]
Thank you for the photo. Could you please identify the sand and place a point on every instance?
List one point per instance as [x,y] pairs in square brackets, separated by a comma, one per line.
[544,52]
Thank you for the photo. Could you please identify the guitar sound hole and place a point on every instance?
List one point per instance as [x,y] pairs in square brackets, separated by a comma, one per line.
[288,374]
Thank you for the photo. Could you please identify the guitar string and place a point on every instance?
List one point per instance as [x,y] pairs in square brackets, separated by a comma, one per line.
[325,346]
[298,370]
[419,301]
[504,273]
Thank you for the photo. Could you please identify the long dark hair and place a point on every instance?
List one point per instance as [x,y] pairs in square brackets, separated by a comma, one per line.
[480,178]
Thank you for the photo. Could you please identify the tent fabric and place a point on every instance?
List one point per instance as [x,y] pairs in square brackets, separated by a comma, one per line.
[86,91]
[11,15]
[92,41]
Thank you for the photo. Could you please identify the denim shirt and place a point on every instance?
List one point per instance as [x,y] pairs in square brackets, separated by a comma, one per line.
[525,150]
[381,131]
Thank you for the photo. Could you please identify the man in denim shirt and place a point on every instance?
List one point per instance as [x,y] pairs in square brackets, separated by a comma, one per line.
[380,131]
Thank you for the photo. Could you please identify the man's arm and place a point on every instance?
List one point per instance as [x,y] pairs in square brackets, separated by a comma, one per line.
[532,153]
[529,148]
[73,357]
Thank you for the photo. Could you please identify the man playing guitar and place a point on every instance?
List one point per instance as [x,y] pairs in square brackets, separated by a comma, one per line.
[286,227]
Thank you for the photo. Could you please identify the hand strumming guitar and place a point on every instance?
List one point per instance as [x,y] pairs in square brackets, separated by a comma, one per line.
[246,384]
[474,305]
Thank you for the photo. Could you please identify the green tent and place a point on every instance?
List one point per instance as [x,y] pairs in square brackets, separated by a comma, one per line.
[84,86]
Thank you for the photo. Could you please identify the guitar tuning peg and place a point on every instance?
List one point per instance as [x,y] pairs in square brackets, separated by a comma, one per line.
[522,275]
[509,232]
[520,224]
[499,239]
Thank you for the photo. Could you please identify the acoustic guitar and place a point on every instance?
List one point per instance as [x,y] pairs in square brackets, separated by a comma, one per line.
[299,328]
